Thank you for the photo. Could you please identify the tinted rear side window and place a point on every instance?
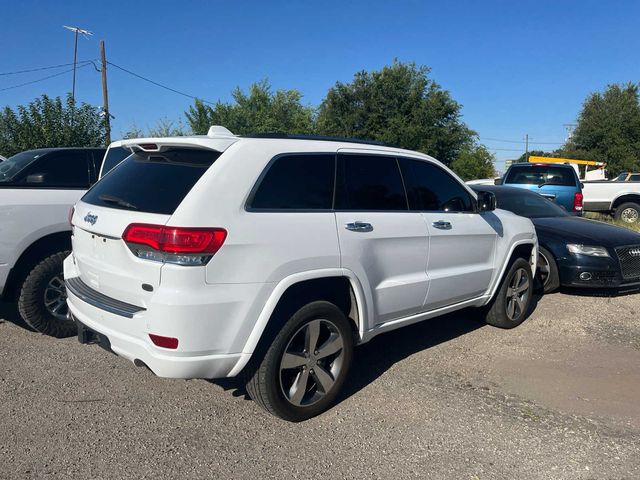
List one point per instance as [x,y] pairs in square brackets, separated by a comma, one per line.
[543,174]
[430,188]
[297,182]
[114,156]
[152,182]
[369,182]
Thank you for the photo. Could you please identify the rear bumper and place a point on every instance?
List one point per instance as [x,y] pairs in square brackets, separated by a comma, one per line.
[211,325]
[142,354]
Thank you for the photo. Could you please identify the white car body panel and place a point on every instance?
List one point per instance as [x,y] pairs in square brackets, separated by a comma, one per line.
[27,215]
[400,273]
[601,196]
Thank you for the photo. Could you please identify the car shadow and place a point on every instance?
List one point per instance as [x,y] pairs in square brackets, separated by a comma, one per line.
[9,313]
[374,358]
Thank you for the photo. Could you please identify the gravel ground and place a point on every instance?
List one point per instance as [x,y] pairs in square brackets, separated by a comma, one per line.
[556,398]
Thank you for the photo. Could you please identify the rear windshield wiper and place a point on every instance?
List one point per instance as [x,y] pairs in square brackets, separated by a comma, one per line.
[117,201]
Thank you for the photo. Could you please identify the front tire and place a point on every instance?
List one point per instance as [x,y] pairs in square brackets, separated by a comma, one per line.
[306,364]
[547,271]
[628,212]
[43,298]
[510,305]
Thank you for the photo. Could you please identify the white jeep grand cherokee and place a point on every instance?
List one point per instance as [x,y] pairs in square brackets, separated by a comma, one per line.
[273,255]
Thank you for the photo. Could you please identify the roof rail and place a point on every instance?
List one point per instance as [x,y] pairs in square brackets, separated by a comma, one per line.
[299,136]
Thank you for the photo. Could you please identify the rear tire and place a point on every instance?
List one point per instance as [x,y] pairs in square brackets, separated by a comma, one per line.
[306,364]
[547,273]
[42,303]
[628,212]
[509,307]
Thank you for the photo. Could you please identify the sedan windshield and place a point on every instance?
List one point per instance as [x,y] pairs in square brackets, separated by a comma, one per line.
[10,168]
[526,204]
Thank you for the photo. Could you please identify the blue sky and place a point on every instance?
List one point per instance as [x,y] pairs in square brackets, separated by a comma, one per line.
[516,67]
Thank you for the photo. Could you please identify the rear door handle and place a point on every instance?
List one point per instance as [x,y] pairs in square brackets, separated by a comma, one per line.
[358,226]
[442,225]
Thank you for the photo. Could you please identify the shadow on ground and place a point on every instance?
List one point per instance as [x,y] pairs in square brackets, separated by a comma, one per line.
[9,313]
[375,357]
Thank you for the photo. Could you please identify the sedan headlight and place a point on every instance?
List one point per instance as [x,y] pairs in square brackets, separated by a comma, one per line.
[590,250]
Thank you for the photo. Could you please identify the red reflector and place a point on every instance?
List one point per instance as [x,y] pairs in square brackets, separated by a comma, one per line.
[577,202]
[164,342]
[176,239]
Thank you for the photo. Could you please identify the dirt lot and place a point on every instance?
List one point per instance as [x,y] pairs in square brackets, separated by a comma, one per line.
[556,398]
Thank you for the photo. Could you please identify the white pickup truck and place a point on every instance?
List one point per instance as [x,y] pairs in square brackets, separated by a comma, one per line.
[37,190]
[620,199]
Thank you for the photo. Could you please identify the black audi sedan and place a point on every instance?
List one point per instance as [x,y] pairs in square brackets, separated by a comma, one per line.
[574,251]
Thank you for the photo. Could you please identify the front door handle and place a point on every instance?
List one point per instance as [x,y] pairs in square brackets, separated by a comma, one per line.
[359,226]
[442,225]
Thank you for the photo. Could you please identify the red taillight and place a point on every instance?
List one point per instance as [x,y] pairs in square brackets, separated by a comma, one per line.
[577,202]
[164,342]
[182,246]
[71,212]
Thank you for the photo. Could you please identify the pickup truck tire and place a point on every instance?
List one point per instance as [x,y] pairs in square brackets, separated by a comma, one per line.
[547,272]
[306,364]
[628,212]
[510,305]
[44,286]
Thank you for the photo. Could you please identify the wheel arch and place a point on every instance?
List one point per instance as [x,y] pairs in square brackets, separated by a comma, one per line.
[32,255]
[624,198]
[338,286]
[525,248]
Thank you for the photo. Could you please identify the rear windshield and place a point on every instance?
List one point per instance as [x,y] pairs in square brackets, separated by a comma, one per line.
[152,182]
[542,175]
[114,156]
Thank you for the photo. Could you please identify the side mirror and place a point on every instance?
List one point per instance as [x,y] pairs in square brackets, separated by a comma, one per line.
[581,185]
[36,178]
[486,201]
[497,181]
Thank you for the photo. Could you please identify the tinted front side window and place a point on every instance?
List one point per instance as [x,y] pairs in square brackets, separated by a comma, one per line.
[430,188]
[542,175]
[60,169]
[297,182]
[152,182]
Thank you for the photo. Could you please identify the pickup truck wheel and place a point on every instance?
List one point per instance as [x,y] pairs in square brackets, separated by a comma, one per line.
[628,212]
[510,305]
[306,365]
[547,271]
[43,299]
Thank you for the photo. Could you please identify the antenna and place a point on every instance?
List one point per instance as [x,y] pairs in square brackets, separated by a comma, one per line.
[85,34]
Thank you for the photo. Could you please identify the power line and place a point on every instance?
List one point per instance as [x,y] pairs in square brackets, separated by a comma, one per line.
[44,78]
[41,68]
[506,149]
[519,141]
[159,84]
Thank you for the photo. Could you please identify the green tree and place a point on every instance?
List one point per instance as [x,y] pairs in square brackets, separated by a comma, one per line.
[609,129]
[48,122]
[474,162]
[259,110]
[164,128]
[400,105]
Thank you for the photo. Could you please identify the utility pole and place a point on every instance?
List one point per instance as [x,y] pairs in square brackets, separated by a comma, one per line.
[105,95]
[86,33]
[526,147]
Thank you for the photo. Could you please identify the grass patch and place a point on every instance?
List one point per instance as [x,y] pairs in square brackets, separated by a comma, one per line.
[609,219]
